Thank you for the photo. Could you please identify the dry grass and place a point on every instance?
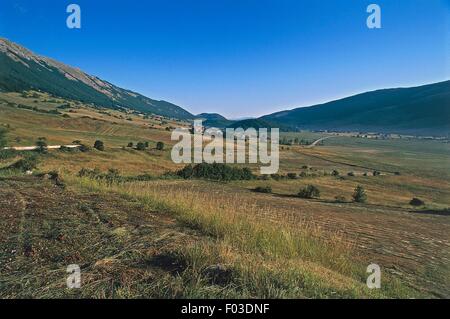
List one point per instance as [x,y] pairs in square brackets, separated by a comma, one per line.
[264,251]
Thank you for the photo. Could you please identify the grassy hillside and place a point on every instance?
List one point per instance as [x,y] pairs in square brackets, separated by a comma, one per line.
[419,110]
[22,70]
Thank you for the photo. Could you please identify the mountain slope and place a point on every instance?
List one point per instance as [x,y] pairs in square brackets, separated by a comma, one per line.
[419,110]
[21,69]
[214,120]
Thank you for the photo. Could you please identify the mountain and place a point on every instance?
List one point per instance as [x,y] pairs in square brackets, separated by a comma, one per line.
[21,70]
[417,110]
[253,123]
[214,120]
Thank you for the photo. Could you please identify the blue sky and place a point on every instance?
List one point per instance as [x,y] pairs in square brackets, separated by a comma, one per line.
[241,57]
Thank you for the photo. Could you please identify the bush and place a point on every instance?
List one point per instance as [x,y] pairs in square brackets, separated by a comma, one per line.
[309,191]
[130,144]
[276,177]
[140,146]
[359,196]
[41,144]
[84,148]
[7,154]
[335,173]
[98,145]
[416,202]
[27,163]
[216,171]
[292,175]
[376,173]
[263,189]
[160,146]
[351,174]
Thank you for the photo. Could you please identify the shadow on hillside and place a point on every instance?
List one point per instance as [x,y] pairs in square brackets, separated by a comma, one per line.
[444,212]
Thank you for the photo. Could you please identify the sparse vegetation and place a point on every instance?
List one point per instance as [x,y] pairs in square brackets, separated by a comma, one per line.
[41,144]
[99,145]
[309,192]
[160,146]
[140,146]
[416,202]
[264,189]
[359,195]
[340,199]
[216,171]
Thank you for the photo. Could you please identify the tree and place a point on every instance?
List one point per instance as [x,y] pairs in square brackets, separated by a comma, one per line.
[160,146]
[335,173]
[310,191]
[140,146]
[359,196]
[41,144]
[416,202]
[98,145]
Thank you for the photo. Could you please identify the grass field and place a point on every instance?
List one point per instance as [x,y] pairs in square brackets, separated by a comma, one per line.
[173,238]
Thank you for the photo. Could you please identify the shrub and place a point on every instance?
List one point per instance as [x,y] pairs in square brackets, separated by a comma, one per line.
[416,202]
[27,163]
[98,145]
[263,189]
[335,173]
[376,173]
[140,146]
[66,149]
[292,175]
[7,154]
[276,177]
[309,191]
[84,148]
[351,174]
[160,146]
[215,171]
[41,144]
[359,196]
[130,144]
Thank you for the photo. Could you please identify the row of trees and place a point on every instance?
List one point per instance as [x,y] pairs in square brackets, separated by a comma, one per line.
[142,146]
[99,145]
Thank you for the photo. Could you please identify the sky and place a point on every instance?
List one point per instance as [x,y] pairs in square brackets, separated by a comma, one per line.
[241,58]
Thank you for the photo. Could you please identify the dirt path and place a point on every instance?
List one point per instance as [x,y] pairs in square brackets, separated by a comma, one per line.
[33,148]
[314,144]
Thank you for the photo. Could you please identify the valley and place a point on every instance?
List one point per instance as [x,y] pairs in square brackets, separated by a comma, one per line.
[142,232]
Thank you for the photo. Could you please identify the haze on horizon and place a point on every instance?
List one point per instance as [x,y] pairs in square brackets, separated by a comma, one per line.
[241,59]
